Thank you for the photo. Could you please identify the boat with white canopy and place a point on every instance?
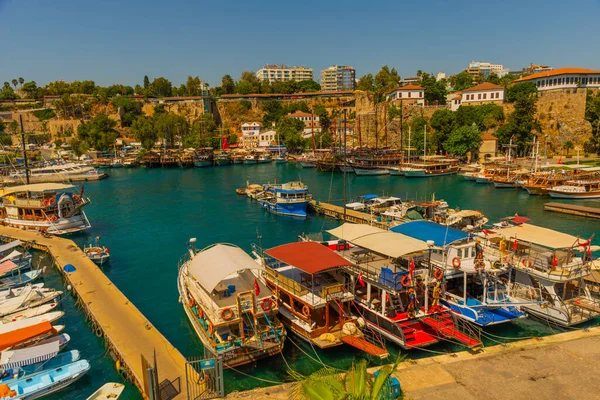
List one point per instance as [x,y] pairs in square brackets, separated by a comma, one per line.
[232,313]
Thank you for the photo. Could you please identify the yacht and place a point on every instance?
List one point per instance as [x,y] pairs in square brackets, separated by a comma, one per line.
[49,207]
[204,158]
[549,269]
[222,158]
[264,158]
[431,166]
[233,314]
[577,189]
[54,173]
[290,199]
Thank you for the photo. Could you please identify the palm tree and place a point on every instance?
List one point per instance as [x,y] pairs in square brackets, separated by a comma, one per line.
[21,81]
[6,85]
[15,82]
[354,384]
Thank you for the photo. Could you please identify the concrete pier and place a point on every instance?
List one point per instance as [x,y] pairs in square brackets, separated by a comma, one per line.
[573,209]
[129,335]
[562,366]
[356,217]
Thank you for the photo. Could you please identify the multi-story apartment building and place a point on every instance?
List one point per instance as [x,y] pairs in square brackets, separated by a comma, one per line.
[485,69]
[337,78]
[280,73]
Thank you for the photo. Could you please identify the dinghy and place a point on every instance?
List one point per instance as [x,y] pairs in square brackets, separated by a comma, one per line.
[29,312]
[26,323]
[108,391]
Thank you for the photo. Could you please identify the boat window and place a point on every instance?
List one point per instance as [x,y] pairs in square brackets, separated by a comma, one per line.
[459,253]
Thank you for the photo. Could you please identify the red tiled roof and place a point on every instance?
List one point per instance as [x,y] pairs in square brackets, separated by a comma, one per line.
[299,114]
[488,136]
[310,257]
[407,87]
[483,86]
[557,72]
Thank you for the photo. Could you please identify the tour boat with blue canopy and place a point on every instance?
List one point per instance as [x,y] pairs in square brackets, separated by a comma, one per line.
[395,291]
[362,202]
[309,281]
[232,313]
[472,270]
[48,207]
[286,199]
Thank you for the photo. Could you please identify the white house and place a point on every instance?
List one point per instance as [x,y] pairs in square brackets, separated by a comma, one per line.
[251,128]
[564,78]
[267,138]
[483,93]
[307,118]
[454,99]
[409,93]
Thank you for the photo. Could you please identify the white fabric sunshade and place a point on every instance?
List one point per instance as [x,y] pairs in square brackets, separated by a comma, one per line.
[211,266]
[10,245]
[380,241]
[29,355]
[538,235]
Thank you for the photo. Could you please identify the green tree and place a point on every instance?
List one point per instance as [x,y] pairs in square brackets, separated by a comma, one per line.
[493,78]
[6,85]
[79,147]
[463,140]
[160,87]
[227,84]
[21,80]
[461,81]
[568,145]
[507,80]
[232,139]
[99,133]
[521,122]
[143,130]
[434,90]
[30,89]
[366,83]
[171,128]
[386,79]
[146,82]
[2,127]
[443,122]
[308,86]
[418,125]
[246,104]
[13,127]
[592,115]
[128,109]
[289,131]
[7,93]
[15,83]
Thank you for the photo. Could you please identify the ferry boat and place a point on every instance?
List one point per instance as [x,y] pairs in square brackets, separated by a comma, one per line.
[540,182]
[548,268]
[57,173]
[396,299]
[431,166]
[577,189]
[231,311]
[309,283]
[473,289]
[222,158]
[47,207]
[287,199]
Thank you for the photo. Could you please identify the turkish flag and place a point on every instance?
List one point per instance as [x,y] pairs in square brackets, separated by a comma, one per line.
[554,261]
[515,244]
[256,287]
[361,280]
[411,268]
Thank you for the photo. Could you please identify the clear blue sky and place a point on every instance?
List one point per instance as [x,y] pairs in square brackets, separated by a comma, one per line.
[112,41]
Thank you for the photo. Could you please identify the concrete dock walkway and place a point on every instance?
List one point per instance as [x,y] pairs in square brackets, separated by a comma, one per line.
[129,334]
[562,366]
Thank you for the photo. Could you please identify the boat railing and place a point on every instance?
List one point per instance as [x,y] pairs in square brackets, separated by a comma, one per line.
[332,292]
[285,283]
[525,292]
[28,203]
[538,264]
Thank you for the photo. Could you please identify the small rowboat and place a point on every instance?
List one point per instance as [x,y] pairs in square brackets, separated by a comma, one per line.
[96,253]
[108,391]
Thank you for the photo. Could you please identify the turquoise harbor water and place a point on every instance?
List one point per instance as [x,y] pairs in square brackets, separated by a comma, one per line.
[145,217]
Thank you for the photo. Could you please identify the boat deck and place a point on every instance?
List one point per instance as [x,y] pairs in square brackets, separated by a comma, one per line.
[356,217]
[128,333]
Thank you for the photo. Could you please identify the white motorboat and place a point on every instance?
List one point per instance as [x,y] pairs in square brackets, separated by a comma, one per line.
[96,253]
[108,391]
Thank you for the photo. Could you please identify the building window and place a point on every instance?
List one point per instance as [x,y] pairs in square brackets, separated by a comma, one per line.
[484,96]
[478,96]
[421,94]
[409,94]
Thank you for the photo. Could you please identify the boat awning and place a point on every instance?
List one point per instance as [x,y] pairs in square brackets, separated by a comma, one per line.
[466,214]
[35,187]
[211,266]
[536,234]
[517,219]
[310,257]
[426,230]
[13,254]
[7,266]
[369,196]
[11,245]
[380,241]
[590,169]
[29,355]
[17,336]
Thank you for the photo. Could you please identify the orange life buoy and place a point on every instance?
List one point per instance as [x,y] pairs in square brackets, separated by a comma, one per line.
[226,314]
[200,313]
[306,311]
[53,218]
[266,304]
[479,265]
[52,200]
[405,281]
[388,299]
[456,262]
[211,328]
[46,202]
[526,262]
[438,274]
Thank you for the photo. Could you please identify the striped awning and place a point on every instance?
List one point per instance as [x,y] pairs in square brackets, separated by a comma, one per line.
[29,355]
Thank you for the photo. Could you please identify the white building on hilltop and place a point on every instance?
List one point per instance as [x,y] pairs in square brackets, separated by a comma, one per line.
[408,94]
[483,93]
[281,73]
[564,78]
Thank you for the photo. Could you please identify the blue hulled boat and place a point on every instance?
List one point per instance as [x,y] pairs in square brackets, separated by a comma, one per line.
[287,199]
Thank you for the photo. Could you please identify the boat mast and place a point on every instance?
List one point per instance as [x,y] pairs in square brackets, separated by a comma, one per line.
[425,139]
[345,155]
[24,149]
[409,131]
[312,131]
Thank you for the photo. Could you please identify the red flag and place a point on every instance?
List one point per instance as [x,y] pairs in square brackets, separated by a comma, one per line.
[589,252]
[515,245]
[487,232]
[256,287]
[361,280]
[554,261]
[224,143]
[560,161]
[586,243]
[411,268]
